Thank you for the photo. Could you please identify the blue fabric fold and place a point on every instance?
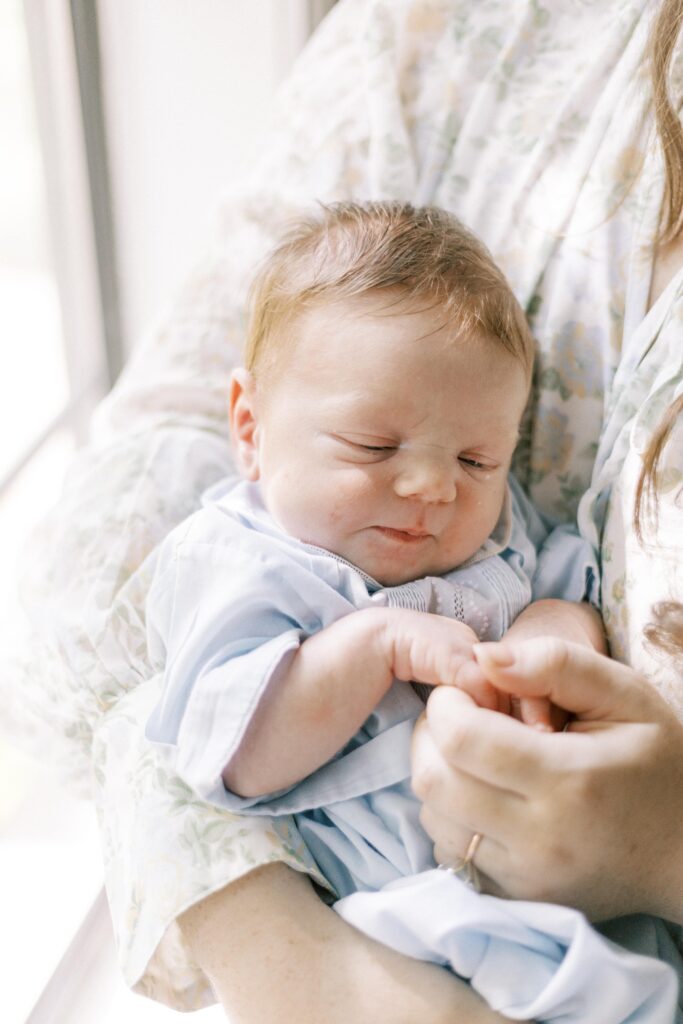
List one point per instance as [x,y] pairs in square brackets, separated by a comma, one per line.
[529,961]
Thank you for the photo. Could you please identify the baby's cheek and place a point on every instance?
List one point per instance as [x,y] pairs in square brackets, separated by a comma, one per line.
[485,510]
[342,510]
[353,495]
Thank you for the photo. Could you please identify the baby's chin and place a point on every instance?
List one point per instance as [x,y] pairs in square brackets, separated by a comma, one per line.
[390,560]
[395,575]
[391,579]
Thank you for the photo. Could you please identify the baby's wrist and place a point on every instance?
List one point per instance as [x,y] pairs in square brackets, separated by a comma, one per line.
[371,631]
[361,639]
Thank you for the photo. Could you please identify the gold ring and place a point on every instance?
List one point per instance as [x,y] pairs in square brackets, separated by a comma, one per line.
[472,848]
[466,864]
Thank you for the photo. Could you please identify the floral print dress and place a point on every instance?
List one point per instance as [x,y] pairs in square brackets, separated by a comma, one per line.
[530,121]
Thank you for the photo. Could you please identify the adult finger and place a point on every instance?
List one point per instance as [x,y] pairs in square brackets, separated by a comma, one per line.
[493,748]
[574,677]
[457,797]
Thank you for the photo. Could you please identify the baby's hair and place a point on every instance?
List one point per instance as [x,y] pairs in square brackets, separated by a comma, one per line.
[344,250]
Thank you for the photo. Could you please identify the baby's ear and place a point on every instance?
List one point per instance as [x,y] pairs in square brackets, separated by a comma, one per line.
[244,423]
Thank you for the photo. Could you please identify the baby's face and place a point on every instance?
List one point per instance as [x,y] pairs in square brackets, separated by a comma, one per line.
[383,440]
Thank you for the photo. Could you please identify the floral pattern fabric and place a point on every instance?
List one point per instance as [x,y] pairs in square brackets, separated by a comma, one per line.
[530,121]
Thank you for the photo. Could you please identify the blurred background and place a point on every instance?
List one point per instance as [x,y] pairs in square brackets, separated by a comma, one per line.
[121,123]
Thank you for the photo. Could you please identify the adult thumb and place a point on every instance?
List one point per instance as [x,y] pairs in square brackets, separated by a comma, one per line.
[574,677]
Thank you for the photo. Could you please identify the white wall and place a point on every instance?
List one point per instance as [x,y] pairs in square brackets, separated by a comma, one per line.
[188,89]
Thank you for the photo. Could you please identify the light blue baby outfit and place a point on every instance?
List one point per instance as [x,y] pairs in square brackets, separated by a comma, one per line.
[232,599]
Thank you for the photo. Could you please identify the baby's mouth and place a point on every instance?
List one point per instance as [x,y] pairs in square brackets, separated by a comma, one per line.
[405,536]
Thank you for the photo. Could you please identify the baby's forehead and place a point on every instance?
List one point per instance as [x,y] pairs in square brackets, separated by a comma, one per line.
[379,349]
[409,408]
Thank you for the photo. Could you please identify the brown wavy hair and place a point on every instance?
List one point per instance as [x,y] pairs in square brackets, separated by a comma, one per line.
[666,630]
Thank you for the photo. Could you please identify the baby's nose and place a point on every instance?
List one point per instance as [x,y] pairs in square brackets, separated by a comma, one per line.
[428,476]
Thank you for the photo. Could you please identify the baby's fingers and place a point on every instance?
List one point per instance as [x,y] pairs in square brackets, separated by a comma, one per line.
[536,712]
[472,680]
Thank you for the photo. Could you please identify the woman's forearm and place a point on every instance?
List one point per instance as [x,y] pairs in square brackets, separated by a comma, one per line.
[274,951]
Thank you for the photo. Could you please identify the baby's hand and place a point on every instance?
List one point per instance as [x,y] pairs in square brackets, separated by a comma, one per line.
[473,682]
[534,711]
[425,648]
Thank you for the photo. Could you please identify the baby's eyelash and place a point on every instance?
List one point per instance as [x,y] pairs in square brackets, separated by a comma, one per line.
[387,449]
[362,446]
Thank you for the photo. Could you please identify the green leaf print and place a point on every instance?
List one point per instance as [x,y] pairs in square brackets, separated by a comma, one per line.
[552,381]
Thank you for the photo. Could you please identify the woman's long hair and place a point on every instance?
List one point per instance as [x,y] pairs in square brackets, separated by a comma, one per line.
[665,31]
[666,629]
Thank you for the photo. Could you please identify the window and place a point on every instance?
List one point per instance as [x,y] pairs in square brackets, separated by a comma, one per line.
[49,858]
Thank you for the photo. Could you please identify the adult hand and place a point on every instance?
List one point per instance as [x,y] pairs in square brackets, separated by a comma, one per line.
[591,817]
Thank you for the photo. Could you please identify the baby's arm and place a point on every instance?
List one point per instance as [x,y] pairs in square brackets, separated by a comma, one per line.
[334,681]
[577,622]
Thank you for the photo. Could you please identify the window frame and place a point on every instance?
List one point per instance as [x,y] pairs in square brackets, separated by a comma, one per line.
[65,71]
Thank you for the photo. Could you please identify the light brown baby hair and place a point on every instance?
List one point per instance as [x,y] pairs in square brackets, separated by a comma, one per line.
[344,250]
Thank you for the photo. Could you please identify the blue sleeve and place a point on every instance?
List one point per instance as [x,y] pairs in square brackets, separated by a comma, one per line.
[564,564]
[567,568]
[223,621]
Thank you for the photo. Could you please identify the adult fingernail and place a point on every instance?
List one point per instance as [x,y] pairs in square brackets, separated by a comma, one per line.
[498,654]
